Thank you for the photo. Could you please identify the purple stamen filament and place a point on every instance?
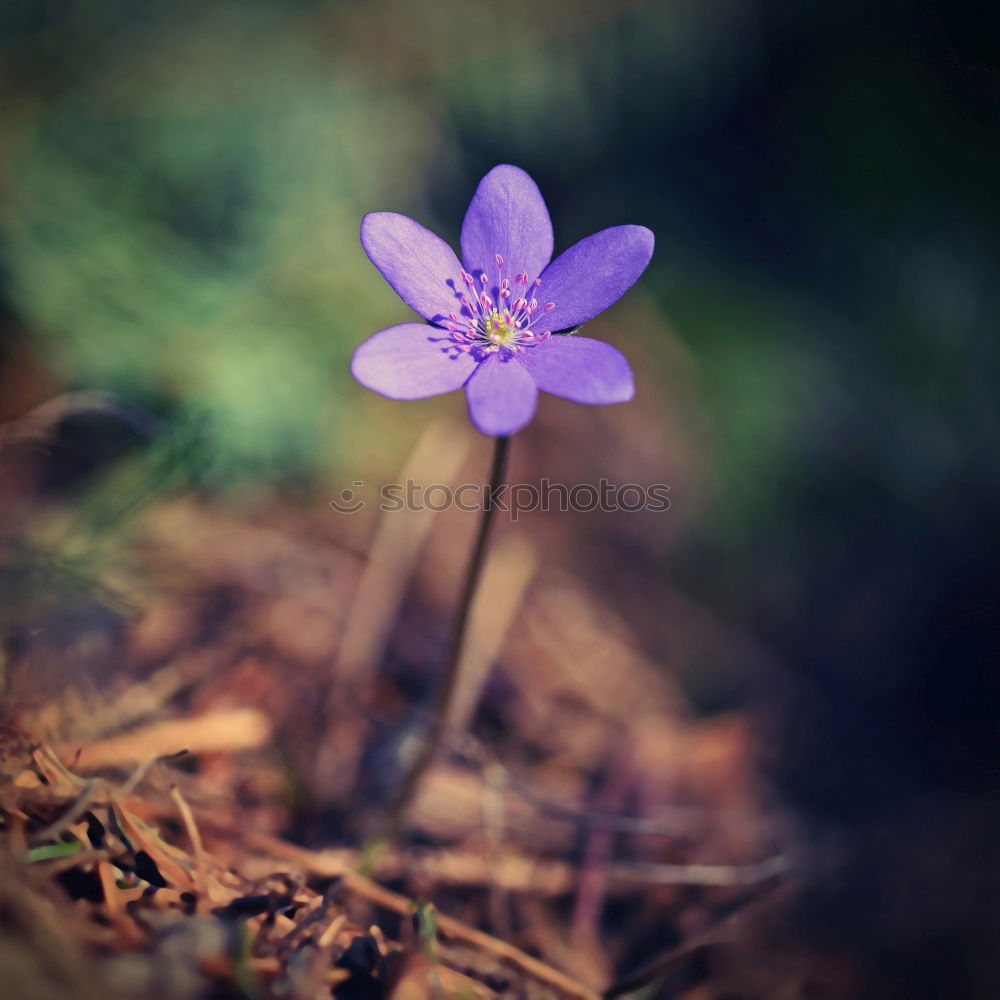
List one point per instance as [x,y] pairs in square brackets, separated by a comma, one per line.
[487,326]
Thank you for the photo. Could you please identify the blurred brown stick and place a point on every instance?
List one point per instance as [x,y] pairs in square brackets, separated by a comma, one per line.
[399,539]
[39,422]
[506,578]
[223,731]
[400,535]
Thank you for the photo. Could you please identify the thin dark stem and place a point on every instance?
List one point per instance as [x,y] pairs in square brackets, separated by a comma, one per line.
[453,663]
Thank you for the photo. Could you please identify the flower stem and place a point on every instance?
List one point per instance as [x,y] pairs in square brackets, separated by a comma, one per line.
[453,663]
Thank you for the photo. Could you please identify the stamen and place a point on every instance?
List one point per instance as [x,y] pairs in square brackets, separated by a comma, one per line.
[488,327]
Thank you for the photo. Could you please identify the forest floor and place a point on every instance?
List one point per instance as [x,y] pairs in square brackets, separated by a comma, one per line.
[195,786]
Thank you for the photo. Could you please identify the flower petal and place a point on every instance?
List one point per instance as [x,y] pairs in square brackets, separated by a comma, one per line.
[581,369]
[591,275]
[421,268]
[502,396]
[411,361]
[507,215]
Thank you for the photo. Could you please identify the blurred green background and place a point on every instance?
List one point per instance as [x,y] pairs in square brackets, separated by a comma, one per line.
[182,186]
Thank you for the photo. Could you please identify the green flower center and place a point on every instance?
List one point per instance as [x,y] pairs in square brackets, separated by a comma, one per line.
[488,323]
[499,330]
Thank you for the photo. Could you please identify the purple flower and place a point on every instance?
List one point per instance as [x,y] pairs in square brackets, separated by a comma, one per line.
[492,319]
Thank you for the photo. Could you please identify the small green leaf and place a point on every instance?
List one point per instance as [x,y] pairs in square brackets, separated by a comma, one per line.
[246,978]
[425,925]
[62,849]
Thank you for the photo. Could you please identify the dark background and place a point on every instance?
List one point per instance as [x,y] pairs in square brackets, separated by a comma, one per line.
[816,340]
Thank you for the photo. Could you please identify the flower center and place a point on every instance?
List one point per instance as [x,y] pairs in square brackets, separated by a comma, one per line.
[488,322]
[499,329]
